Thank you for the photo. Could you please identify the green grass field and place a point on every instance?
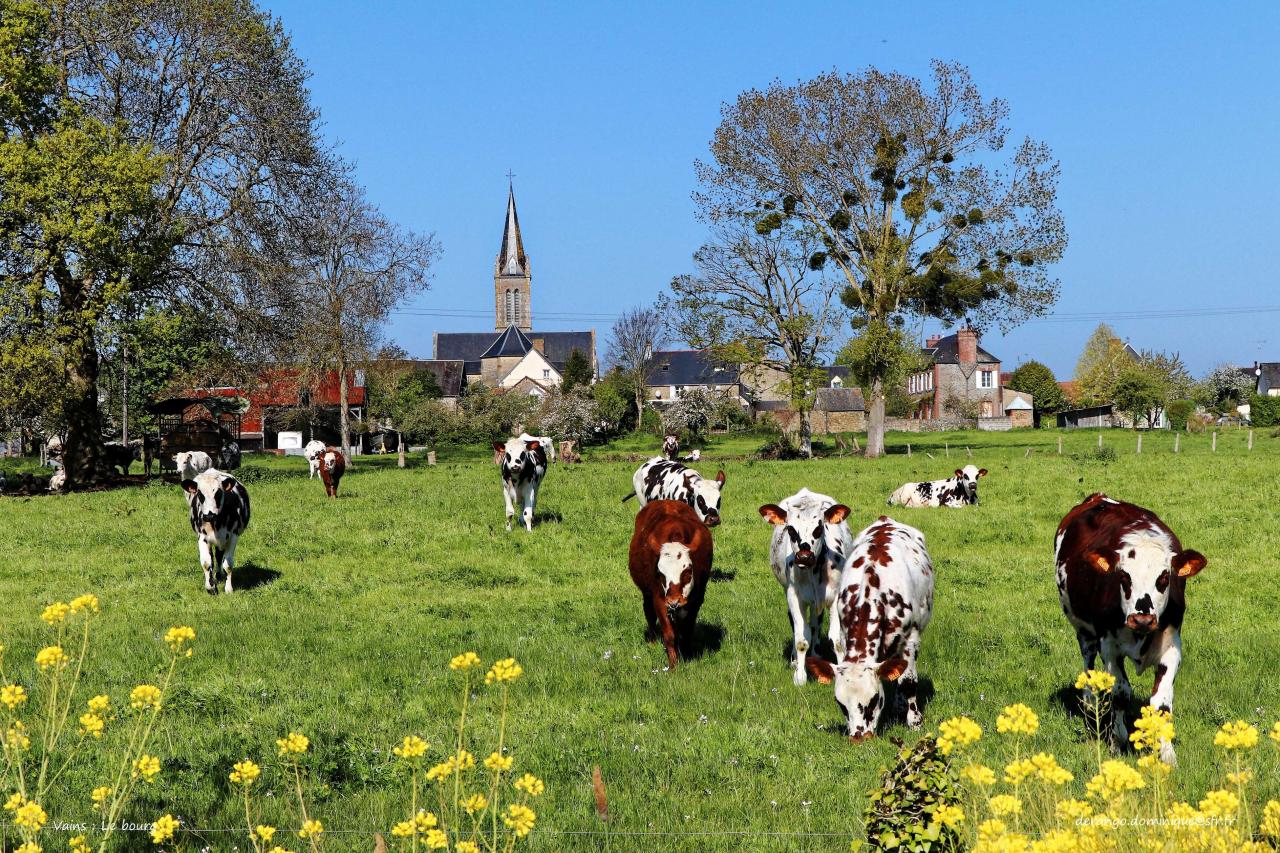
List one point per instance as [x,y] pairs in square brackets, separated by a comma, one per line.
[361,602]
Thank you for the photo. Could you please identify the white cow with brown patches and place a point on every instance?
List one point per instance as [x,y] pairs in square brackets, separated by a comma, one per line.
[956,491]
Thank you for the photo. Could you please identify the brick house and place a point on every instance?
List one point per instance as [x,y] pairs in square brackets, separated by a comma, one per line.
[959,371]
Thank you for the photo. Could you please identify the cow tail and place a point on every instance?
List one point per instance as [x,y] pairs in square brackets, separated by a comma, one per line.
[629,497]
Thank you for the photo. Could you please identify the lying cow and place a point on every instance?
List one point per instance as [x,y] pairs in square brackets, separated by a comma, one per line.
[219,505]
[312,452]
[884,604]
[957,491]
[332,466]
[1122,577]
[523,464]
[810,539]
[670,563]
[192,463]
[671,448]
[662,480]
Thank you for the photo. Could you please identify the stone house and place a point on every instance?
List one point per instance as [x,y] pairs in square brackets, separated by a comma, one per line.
[960,374]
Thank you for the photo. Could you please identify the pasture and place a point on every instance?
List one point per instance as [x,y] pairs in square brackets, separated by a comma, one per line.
[357,605]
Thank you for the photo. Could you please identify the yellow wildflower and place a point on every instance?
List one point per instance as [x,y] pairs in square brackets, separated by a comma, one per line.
[1270,826]
[1004,805]
[465,661]
[92,724]
[413,747]
[15,737]
[28,847]
[464,760]
[1114,779]
[1220,803]
[245,772]
[12,695]
[425,821]
[84,602]
[436,839]
[177,638]
[979,774]
[530,784]
[504,670]
[1048,769]
[1018,719]
[51,657]
[1236,735]
[403,829]
[498,762]
[100,704]
[441,771]
[163,828]
[1151,729]
[949,816]
[989,829]
[1058,841]
[14,802]
[295,743]
[474,803]
[1274,734]
[520,819]
[55,613]
[264,832]
[145,696]
[1095,680]
[147,766]
[1153,765]
[30,816]
[311,829]
[99,796]
[1068,811]
[466,847]
[279,849]
[78,844]
[1016,771]
[957,732]
[1244,777]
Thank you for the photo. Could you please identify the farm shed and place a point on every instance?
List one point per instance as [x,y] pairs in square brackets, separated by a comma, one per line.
[211,424]
[1091,417]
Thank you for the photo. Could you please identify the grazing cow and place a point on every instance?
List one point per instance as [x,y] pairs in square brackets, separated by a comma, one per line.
[117,455]
[1122,577]
[523,465]
[810,539]
[670,563]
[219,506]
[671,448]
[548,445]
[332,466]
[663,480]
[312,452]
[957,491]
[192,463]
[884,604]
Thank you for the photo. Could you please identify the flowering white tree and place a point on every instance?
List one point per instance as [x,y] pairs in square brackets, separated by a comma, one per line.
[691,412]
[573,415]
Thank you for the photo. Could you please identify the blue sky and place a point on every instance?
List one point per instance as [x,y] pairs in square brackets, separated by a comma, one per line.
[1164,118]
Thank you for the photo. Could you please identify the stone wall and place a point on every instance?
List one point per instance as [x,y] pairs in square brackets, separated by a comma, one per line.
[927,424]
[995,424]
[820,423]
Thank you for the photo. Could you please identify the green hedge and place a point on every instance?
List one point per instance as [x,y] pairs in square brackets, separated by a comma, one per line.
[1264,411]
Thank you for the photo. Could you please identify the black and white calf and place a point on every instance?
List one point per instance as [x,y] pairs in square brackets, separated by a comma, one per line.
[523,464]
[313,451]
[219,505]
[810,539]
[192,463]
[663,480]
[957,491]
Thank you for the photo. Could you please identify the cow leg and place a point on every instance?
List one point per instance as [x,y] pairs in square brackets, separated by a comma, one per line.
[229,561]
[1088,648]
[1162,692]
[667,629]
[1113,659]
[650,619]
[909,682]
[800,639]
[508,494]
[530,498]
[206,563]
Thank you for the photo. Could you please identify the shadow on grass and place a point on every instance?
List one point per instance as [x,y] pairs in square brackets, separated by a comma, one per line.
[719,575]
[543,516]
[251,576]
[707,639]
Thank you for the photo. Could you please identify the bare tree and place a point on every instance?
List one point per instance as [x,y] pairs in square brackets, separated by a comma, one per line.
[634,338]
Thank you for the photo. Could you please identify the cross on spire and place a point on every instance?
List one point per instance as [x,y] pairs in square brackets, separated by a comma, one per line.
[510,175]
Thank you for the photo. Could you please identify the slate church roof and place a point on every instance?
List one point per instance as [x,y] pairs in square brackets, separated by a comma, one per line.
[470,347]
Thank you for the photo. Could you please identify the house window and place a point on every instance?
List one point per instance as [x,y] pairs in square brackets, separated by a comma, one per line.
[987,379]
[546,374]
[837,382]
[359,378]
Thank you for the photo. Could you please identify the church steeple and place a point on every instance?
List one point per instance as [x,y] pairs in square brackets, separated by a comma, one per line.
[512,279]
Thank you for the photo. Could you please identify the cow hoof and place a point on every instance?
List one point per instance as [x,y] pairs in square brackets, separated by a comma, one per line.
[1167,754]
[799,679]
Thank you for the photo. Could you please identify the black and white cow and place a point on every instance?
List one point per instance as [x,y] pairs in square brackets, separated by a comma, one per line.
[192,463]
[957,491]
[313,451]
[810,539]
[219,505]
[671,448]
[523,464]
[663,480]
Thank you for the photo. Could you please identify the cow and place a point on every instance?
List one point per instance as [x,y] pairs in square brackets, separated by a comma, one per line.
[219,505]
[884,603]
[670,562]
[693,456]
[960,490]
[671,448]
[192,463]
[548,445]
[58,482]
[523,465]
[810,539]
[1122,577]
[332,466]
[116,455]
[663,480]
[312,452]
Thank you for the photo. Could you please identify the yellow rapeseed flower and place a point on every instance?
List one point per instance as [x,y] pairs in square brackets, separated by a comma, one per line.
[498,762]
[100,704]
[12,695]
[424,821]
[1270,826]
[1049,770]
[145,696]
[15,737]
[1004,805]
[147,766]
[55,613]
[979,774]
[30,816]
[1114,779]
[520,819]
[163,829]
[1018,719]
[177,638]
[51,657]
[1244,777]
[413,747]
[436,839]
[466,847]
[466,660]
[474,803]
[14,802]
[1069,811]
[295,743]
[92,724]
[311,829]
[949,816]
[1151,729]
[1236,735]
[504,670]
[1220,803]
[86,602]
[245,772]
[1016,771]
[1153,765]
[1095,680]
[957,732]
[99,796]
[78,844]
[264,832]
[403,829]
[530,784]
[1274,734]
[28,847]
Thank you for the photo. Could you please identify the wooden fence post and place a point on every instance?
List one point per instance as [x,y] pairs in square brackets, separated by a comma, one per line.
[1177,439]
[970,452]
[1139,444]
[1059,445]
[908,450]
[431,457]
[947,447]
[1251,439]
[1215,441]
[1099,438]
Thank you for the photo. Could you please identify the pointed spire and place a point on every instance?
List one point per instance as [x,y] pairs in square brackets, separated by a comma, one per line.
[511,258]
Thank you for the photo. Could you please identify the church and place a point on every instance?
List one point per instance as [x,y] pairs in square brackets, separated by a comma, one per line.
[513,356]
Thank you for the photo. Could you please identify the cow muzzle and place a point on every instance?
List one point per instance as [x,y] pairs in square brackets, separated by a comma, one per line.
[805,558]
[712,519]
[861,736]
[1142,623]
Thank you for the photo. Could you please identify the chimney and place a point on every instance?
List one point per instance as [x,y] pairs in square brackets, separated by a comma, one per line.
[932,341]
[538,345]
[967,343]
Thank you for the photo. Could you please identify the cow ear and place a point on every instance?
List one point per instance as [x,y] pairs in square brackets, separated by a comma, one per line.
[720,479]
[960,473]
[1100,562]
[1189,563]
[228,484]
[836,514]
[499,447]
[532,445]
[891,669]
[774,514]
[982,472]
[190,487]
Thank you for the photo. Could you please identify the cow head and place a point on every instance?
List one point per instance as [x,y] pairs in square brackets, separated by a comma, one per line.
[706,498]
[967,477]
[1146,568]
[808,526]
[507,454]
[675,573]
[206,495]
[670,446]
[860,693]
[330,460]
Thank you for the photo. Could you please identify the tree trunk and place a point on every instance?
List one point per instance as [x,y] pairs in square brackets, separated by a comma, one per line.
[82,451]
[806,434]
[875,420]
[344,424]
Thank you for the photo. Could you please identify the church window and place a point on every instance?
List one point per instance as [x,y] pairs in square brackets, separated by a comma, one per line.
[516,313]
[507,309]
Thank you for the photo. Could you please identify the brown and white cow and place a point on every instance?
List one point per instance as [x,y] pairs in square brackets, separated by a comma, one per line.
[671,448]
[884,604]
[1122,577]
[670,562]
[957,491]
[332,466]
